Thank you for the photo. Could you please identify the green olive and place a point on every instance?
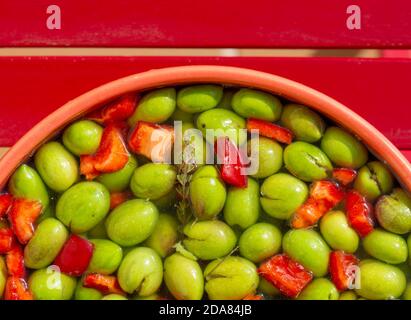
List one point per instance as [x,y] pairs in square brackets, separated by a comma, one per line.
[407,293]
[344,149]
[199,98]
[132,222]
[106,257]
[306,161]
[83,293]
[99,231]
[348,295]
[119,181]
[180,115]
[57,167]
[156,106]
[114,296]
[82,137]
[167,201]
[319,289]
[386,246]
[269,156]
[267,288]
[226,100]
[183,277]
[83,206]
[250,103]
[282,194]
[47,241]
[141,271]
[153,180]
[306,125]
[3,276]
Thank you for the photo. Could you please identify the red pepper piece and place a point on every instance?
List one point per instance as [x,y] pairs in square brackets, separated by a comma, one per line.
[151,140]
[324,195]
[360,213]
[17,289]
[6,240]
[6,201]
[285,274]
[342,268]
[15,261]
[22,216]
[117,198]
[345,176]
[270,130]
[75,256]
[253,297]
[232,163]
[87,167]
[103,283]
[119,110]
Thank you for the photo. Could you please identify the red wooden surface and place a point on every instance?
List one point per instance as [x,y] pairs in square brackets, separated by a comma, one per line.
[211,23]
[378,89]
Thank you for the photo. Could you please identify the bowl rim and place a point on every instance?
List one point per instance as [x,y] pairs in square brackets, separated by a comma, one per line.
[47,128]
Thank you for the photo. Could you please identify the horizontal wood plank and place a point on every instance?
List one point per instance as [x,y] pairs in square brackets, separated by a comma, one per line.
[211,23]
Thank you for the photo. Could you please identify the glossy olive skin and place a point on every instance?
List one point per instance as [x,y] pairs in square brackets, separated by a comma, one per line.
[269,156]
[282,194]
[232,278]
[83,293]
[3,276]
[114,296]
[306,162]
[209,240]
[106,257]
[257,104]
[167,201]
[260,241]
[380,281]
[267,288]
[183,277]
[98,231]
[386,246]
[306,125]
[164,235]
[180,115]
[119,181]
[156,106]
[26,183]
[132,222]
[348,295]
[393,212]
[83,206]
[153,180]
[207,193]
[407,293]
[47,241]
[307,247]
[82,137]
[319,289]
[57,167]
[141,271]
[50,284]
[343,148]
[373,180]
[337,232]
[242,207]
[199,98]
[226,100]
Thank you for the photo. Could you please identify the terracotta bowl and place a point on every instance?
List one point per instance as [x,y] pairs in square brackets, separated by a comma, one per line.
[50,126]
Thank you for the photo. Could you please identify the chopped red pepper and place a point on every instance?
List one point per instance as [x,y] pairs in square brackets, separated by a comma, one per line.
[118,110]
[15,261]
[270,130]
[117,198]
[17,289]
[103,283]
[324,195]
[285,274]
[345,176]
[22,216]
[253,297]
[360,213]
[232,163]
[87,167]
[6,240]
[342,269]
[153,141]
[6,201]
[75,256]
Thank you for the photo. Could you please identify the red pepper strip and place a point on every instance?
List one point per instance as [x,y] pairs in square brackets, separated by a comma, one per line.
[285,274]
[345,176]
[232,163]
[6,201]
[119,110]
[117,198]
[22,216]
[253,297]
[151,140]
[87,167]
[342,269]
[360,213]
[15,261]
[17,289]
[103,283]
[324,195]
[270,130]
[75,256]
[6,240]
